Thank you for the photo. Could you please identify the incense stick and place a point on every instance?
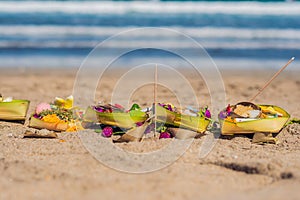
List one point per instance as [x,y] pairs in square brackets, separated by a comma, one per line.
[155,99]
[275,75]
[155,85]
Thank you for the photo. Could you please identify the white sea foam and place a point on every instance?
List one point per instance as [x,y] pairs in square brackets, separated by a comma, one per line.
[168,44]
[93,31]
[209,37]
[108,7]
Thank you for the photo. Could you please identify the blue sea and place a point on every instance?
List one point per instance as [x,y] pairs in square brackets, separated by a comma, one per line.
[236,34]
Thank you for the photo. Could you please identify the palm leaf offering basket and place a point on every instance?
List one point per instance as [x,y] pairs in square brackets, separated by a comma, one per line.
[54,126]
[195,123]
[57,116]
[247,126]
[124,120]
[14,110]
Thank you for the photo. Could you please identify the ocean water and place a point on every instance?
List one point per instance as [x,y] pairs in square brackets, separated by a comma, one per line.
[235,34]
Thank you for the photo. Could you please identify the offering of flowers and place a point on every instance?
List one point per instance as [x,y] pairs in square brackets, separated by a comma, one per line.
[116,115]
[131,124]
[115,119]
[189,119]
[246,117]
[57,116]
[11,109]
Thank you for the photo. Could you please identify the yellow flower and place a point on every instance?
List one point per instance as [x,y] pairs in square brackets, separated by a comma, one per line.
[71,128]
[74,126]
[64,103]
[53,118]
[229,119]
[271,110]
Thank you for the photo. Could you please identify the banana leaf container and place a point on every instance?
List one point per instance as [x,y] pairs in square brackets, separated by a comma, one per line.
[124,120]
[40,124]
[265,125]
[16,110]
[198,124]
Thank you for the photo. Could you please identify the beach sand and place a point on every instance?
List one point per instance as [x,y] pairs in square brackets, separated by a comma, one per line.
[235,168]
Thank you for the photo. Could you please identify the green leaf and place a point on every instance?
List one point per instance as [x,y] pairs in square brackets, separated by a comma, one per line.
[98,130]
[135,107]
[118,132]
[136,113]
[294,121]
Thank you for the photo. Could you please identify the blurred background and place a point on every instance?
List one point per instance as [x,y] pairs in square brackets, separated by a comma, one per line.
[236,34]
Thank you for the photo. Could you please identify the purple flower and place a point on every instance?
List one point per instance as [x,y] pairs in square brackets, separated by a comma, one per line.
[164,135]
[207,114]
[150,128]
[223,115]
[139,124]
[99,109]
[36,116]
[107,131]
[166,106]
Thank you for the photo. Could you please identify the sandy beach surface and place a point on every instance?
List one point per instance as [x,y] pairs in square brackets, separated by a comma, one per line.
[235,168]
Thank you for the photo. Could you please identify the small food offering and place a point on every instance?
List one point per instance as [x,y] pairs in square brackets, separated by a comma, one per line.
[246,110]
[188,118]
[132,125]
[13,109]
[57,116]
[114,119]
[246,117]
[116,115]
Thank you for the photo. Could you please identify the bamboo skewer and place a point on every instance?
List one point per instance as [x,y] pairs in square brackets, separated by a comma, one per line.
[155,98]
[155,85]
[274,76]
